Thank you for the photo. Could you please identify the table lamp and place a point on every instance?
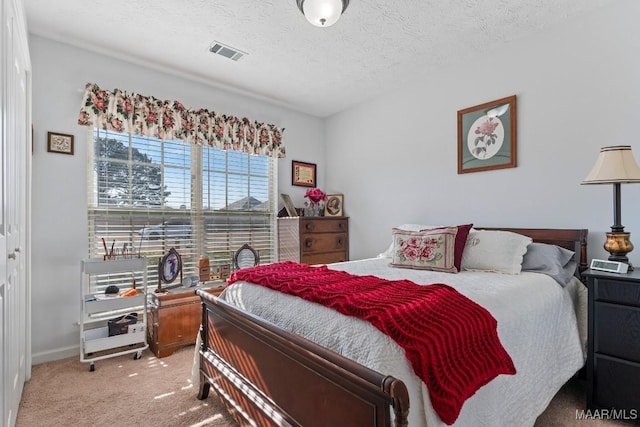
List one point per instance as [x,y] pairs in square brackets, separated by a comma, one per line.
[616,165]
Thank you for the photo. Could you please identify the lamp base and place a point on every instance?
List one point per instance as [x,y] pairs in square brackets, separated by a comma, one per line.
[619,245]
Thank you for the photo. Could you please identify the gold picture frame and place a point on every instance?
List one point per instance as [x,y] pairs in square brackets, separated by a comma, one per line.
[334,205]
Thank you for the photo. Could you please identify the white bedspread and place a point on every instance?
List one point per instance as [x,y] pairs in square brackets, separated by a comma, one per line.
[537,325]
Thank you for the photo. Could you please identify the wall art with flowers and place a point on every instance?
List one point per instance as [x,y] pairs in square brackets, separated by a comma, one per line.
[59,143]
[487,136]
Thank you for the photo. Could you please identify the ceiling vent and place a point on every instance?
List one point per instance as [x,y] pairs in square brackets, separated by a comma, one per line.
[226,51]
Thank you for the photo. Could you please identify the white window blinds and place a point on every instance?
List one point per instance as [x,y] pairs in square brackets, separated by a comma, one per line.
[147,196]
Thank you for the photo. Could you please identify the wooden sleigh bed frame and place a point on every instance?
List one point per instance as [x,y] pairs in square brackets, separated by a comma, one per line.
[267,376]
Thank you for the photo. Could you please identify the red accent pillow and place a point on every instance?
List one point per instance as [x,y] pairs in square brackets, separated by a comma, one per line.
[460,242]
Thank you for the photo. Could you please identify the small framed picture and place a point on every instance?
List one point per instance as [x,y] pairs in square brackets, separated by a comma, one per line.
[59,143]
[334,205]
[303,174]
[288,204]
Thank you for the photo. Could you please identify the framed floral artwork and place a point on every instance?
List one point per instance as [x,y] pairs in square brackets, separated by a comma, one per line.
[59,143]
[487,136]
[303,174]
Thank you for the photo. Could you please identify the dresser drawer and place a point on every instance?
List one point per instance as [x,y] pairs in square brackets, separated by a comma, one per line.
[325,242]
[617,291]
[617,331]
[325,258]
[323,225]
[616,385]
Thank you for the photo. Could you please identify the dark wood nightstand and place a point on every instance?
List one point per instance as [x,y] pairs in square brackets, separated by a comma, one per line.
[613,357]
[174,318]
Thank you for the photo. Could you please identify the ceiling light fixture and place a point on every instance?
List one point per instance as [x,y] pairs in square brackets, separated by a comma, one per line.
[322,13]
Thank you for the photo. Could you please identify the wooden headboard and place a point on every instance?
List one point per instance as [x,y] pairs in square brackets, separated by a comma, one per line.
[572,239]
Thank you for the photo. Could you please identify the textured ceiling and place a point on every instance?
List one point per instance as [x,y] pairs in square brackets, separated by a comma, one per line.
[375,46]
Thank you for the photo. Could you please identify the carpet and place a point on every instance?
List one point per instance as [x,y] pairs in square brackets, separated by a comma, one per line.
[156,392]
[120,392]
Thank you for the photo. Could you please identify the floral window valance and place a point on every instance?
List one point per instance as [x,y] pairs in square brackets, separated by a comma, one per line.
[145,115]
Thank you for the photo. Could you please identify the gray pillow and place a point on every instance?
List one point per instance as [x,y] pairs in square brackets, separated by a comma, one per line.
[551,260]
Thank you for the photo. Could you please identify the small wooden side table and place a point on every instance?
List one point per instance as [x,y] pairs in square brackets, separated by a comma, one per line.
[174,318]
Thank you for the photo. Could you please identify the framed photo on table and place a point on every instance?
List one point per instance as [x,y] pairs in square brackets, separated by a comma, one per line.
[487,136]
[288,205]
[334,205]
[303,174]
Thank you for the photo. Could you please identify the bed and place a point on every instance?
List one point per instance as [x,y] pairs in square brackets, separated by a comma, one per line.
[270,362]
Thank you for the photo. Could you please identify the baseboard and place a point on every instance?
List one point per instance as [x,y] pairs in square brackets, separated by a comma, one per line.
[56,354]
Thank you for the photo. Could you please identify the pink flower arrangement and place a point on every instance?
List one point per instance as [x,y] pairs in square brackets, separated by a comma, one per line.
[315,195]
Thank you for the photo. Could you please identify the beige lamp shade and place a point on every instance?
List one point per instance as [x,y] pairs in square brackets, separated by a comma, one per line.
[615,164]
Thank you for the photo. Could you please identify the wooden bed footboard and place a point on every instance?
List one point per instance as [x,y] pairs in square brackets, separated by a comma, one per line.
[269,377]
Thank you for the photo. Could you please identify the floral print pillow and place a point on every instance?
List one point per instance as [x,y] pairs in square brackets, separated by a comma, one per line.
[425,249]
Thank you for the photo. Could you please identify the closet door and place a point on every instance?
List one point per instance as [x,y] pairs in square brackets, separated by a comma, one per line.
[14,148]
[4,349]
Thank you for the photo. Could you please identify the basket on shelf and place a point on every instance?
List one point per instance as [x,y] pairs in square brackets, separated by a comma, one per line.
[120,325]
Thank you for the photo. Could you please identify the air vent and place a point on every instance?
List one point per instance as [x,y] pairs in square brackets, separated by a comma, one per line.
[226,51]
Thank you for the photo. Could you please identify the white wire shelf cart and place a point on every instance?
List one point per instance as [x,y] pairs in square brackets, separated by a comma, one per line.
[97,309]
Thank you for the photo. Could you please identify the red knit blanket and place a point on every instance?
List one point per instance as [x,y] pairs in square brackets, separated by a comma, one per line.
[450,341]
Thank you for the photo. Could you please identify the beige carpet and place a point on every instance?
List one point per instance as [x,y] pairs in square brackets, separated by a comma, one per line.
[120,392]
[158,392]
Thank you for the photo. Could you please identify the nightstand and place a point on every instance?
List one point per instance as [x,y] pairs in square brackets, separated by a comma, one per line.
[613,355]
[174,318]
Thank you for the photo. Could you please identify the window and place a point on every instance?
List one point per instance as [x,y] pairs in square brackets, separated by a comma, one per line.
[147,196]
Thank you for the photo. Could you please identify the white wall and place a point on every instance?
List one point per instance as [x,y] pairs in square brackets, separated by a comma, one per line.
[578,89]
[59,208]
[394,158]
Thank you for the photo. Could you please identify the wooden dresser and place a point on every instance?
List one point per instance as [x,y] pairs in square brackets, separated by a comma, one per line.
[313,240]
[174,318]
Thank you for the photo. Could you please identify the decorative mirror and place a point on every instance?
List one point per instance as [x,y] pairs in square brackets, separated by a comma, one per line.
[246,256]
[169,267]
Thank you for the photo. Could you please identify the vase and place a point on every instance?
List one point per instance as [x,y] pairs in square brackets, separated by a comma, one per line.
[313,209]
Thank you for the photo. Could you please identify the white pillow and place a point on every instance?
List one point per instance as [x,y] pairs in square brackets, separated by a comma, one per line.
[408,227]
[494,250]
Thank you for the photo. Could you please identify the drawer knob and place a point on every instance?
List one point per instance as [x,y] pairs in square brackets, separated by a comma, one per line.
[309,226]
[308,243]
[339,241]
[341,225]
